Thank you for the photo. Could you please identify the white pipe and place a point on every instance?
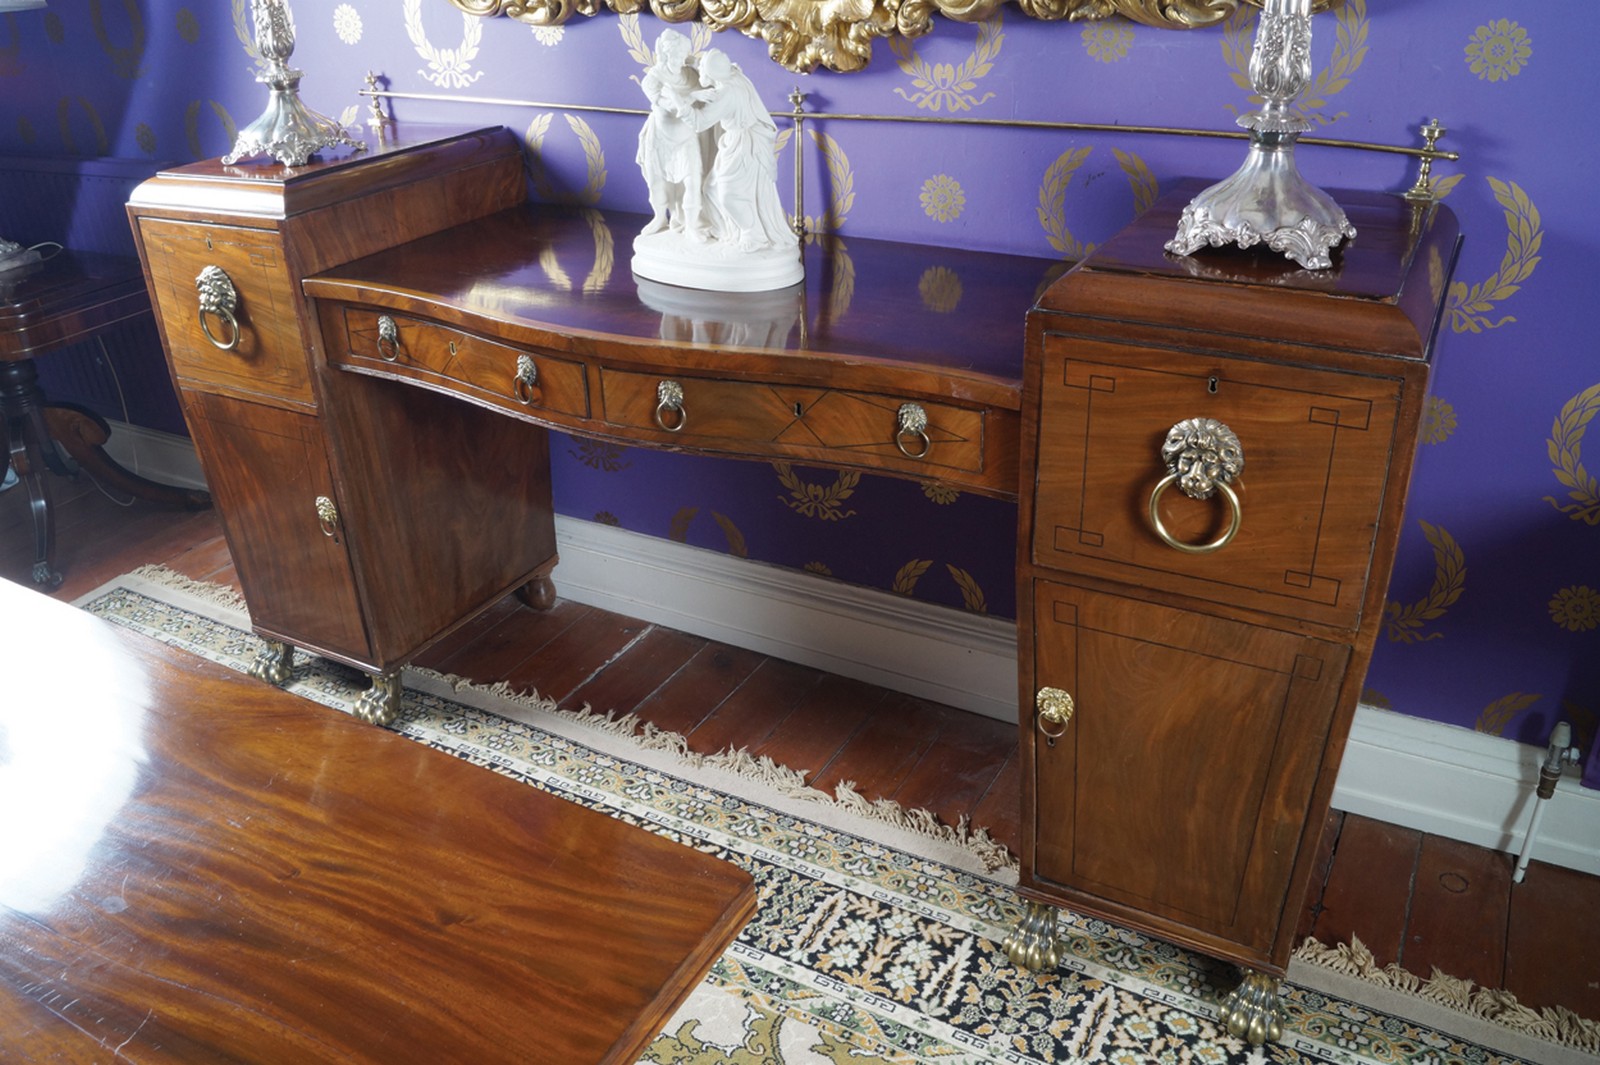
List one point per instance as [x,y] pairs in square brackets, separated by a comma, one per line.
[1556,756]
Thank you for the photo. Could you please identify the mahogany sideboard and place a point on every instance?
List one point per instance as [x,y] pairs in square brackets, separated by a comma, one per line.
[371,379]
[337,331]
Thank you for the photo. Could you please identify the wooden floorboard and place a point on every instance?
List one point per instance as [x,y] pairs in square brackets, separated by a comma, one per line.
[691,694]
[1553,941]
[1423,900]
[1460,903]
[1368,886]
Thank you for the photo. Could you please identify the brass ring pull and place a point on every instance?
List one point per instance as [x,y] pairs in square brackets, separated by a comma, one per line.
[527,376]
[388,339]
[669,397]
[913,424]
[1234,521]
[328,518]
[218,299]
[1203,457]
[1055,712]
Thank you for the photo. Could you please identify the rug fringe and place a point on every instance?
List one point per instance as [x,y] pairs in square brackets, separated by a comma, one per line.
[790,783]
[218,594]
[1553,1024]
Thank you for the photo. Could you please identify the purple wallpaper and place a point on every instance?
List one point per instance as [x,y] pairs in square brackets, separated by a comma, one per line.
[1494,615]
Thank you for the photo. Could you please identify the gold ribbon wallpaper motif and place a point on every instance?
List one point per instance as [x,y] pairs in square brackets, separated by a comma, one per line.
[126,60]
[1565,448]
[946,86]
[1404,623]
[1469,308]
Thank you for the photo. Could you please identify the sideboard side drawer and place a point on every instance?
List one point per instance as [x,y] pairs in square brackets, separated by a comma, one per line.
[798,421]
[267,356]
[426,351]
[1317,453]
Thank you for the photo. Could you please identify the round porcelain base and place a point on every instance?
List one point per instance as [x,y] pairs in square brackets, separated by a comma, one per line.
[674,259]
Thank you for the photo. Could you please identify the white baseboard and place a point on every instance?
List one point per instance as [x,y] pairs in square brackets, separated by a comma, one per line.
[1465,785]
[930,651]
[164,457]
[1420,774]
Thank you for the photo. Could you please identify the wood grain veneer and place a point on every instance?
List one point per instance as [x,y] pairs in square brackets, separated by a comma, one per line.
[234,874]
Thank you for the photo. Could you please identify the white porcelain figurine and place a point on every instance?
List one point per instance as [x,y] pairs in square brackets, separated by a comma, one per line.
[708,154]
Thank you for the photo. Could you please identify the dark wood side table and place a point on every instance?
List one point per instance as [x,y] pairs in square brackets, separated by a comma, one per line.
[43,308]
[239,875]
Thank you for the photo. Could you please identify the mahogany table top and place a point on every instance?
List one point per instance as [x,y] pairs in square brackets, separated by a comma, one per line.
[198,867]
[67,297]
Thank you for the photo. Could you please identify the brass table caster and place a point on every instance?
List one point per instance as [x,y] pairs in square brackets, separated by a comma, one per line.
[380,703]
[275,663]
[1254,1009]
[1032,943]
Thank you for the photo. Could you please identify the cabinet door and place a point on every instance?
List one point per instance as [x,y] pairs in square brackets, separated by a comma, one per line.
[266,469]
[1180,787]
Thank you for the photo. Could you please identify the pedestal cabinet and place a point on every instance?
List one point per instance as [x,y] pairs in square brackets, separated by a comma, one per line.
[1217,450]
[308,467]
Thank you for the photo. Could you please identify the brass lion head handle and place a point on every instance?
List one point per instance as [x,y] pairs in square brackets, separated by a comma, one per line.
[1203,457]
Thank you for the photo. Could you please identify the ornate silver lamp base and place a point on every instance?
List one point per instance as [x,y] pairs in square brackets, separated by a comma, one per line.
[1266,201]
[288,130]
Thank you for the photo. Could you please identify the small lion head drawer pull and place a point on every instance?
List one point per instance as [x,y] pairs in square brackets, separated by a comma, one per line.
[525,380]
[388,339]
[1203,457]
[219,300]
[327,517]
[1055,712]
[669,400]
[912,424]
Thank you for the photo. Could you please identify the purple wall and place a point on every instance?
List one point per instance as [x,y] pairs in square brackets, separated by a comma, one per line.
[1494,619]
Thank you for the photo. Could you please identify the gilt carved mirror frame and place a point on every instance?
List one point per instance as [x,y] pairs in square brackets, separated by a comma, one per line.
[837,35]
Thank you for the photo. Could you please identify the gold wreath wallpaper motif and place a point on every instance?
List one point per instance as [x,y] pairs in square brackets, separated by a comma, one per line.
[1493,619]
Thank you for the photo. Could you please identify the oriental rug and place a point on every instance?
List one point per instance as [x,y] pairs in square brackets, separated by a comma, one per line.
[877,934]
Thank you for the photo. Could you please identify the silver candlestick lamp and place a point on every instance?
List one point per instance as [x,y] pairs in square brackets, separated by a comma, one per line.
[1266,200]
[287,130]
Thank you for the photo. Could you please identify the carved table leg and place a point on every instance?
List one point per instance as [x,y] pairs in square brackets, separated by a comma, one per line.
[379,703]
[275,663]
[1032,943]
[1254,1009]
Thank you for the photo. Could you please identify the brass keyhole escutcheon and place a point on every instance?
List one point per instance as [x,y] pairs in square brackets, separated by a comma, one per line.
[1055,709]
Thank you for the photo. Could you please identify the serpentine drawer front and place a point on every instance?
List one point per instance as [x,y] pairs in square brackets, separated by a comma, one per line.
[1314,447]
[798,421]
[467,364]
[227,309]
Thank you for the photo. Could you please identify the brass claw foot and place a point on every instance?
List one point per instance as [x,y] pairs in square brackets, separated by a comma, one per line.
[1032,943]
[379,703]
[1254,1009]
[274,664]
